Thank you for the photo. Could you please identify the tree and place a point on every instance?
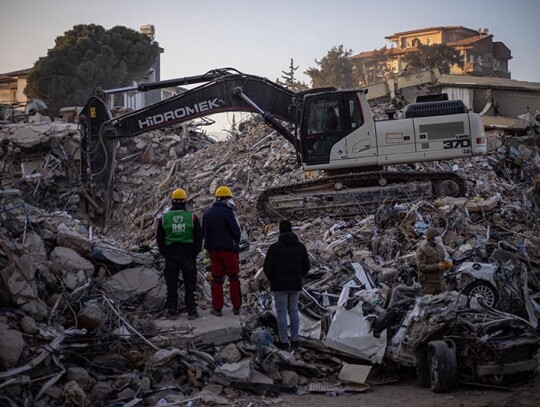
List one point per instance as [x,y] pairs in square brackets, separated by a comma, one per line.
[289,81]
[336,69]
[439,56]
[373,69]
[87,57]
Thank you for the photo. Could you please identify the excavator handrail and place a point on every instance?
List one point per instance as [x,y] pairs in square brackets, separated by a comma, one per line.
[186,80]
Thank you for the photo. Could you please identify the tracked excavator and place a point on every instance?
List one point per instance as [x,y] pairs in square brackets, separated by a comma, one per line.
[331,130]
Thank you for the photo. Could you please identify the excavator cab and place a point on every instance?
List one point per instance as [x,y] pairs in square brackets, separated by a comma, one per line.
[327,119]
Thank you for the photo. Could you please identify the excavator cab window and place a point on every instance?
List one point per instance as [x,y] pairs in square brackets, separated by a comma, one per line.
[354,118]
[328,118]
[322,127]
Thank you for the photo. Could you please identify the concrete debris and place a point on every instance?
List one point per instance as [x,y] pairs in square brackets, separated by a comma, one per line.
[11,346]
[69,287]
[65,260]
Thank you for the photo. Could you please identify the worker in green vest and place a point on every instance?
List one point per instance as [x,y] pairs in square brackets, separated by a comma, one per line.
[179,237]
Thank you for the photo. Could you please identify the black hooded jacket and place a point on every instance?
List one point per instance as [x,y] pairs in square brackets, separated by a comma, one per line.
[286,263]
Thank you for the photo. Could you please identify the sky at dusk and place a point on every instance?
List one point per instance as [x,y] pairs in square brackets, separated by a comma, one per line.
[260,37]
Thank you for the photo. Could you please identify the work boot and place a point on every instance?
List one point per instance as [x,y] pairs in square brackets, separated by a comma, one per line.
[294,345]
[216,312]
[236,311]
[193,315]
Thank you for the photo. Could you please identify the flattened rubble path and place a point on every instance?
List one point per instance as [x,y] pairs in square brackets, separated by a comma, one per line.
[406,393]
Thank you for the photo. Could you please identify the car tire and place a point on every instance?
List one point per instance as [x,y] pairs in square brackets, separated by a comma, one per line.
[442,366]
[484,289]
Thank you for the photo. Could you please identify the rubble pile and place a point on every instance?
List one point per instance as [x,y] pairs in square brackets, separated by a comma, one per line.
[41,161]
[80,312]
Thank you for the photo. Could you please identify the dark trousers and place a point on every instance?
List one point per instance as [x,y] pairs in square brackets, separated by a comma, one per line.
[188,267]
[223,263]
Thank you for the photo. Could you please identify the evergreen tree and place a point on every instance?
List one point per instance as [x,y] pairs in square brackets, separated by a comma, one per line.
[335,69]
[289,81]
[87,57]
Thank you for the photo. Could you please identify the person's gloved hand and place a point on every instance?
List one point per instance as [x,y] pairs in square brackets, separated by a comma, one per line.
[445,265]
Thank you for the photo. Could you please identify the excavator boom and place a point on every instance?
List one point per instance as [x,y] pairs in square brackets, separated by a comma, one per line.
[225,90]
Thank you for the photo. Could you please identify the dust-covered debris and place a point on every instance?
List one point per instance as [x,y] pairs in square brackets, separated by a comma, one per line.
[82,316]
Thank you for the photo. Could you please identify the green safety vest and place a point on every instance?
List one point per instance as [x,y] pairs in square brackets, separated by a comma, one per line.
[178,226]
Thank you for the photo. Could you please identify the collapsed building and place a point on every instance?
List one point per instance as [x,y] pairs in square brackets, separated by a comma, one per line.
[81,307]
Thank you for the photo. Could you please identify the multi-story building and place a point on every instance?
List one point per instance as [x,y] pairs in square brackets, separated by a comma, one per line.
[481,55]
[12,86]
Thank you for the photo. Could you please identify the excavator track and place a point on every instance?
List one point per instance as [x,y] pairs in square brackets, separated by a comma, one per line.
[355,193]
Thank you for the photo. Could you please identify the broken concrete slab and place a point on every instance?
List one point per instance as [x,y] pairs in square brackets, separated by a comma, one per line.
[68,237]
[135,281]
[235,372]
[207,329]
[65,260]
[229,354]
[22,135]
[472,205]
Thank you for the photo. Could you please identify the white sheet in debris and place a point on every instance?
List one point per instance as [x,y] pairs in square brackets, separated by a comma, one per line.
[350,332]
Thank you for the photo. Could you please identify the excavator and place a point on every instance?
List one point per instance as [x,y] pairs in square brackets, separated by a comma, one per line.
[331,130]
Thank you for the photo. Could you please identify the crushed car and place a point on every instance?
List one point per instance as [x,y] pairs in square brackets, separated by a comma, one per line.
[449,338]
[450,341]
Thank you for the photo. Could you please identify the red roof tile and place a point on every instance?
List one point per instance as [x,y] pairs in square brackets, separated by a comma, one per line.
[467,41]
[448,27]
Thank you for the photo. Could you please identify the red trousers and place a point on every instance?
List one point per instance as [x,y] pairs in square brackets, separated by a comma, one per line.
[223,263]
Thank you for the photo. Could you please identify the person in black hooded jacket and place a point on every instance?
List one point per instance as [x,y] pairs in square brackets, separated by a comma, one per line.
[285,265]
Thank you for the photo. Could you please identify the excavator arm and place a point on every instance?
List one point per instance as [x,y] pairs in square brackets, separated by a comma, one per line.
[223,90]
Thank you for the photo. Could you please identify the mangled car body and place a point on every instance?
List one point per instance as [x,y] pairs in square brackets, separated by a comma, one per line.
[449,337]
[448,341]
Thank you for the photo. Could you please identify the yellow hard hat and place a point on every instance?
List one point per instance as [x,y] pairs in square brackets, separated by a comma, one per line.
[179,194]
[223,192]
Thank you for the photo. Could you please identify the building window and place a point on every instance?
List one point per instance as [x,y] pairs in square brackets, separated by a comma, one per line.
[428,41]
[471,59]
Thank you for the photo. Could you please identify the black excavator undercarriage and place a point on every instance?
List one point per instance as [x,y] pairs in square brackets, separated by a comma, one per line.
[355,193]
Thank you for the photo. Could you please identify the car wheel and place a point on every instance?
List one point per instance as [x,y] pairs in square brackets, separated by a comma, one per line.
[485,290]
[443,366]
